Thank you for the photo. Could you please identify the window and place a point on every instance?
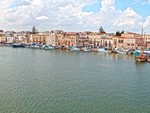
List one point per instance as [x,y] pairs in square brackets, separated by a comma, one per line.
[120,41]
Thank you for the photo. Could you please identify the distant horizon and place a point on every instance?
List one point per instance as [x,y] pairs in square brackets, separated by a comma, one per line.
[75,31]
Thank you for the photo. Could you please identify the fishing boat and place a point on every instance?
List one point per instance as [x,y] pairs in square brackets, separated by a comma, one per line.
[141,58]
[120,51]
[85,49]
[73,49]
[43,46]
[35,46]
[130,51]
[101,50]
[147,51]
[148,58]
[47,47]
[16,45]
[8,45]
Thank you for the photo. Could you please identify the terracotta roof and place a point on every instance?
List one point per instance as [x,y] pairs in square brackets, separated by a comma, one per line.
[71,33]
[120,37]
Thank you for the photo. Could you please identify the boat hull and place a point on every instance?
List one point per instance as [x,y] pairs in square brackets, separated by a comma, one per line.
[148,59]
[141,58]
[73,49]
[49,48]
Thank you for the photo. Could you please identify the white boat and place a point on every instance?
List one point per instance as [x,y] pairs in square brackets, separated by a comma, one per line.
[86,49]
[120,51]
[42,46]
[8,45]
[74,49]
[148,59]
[101,50]
[130,51]
[36,46]
[47,47]
[147,51]
[141,58]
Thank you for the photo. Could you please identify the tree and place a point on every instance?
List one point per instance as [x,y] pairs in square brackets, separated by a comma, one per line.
[122,32]
[119,33]
[34,30]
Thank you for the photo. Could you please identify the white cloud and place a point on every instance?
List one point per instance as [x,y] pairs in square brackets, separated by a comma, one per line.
[127,20]
[108,5]
[42,18]
[68,15]
[146,24]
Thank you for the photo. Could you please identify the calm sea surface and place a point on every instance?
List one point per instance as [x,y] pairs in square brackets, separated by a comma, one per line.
[39,81]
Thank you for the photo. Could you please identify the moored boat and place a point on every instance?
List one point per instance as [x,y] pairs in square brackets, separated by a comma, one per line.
[47,47]
[148,58]
[16,45]
[147,51]
[85,49]
[120,51]
[141,58]
[8,45]
[35,46]
[101,50]
[74,49]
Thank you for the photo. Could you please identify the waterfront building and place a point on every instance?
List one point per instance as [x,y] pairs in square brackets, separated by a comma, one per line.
[118,42]
[38,38]
[56,37]
[10,39]
[147,40]
[133,40]
[130,43]
[82,40]
[52,38]
[28,33]
[70,39]
[60,39]
[2,38]
[115,42]
[106,40]
[94,39]
[10,36]
[21,37]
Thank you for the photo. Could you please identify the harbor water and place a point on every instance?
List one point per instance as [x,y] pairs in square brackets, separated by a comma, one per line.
[56,81]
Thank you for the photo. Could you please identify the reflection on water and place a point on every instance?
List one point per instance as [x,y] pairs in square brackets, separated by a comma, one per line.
[116,56]
[39,81]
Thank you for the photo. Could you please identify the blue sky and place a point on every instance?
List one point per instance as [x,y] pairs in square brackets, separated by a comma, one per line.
[95,7]
[75,15]
[141,7]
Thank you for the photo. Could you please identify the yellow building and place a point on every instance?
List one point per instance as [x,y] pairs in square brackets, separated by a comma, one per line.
[133,40]
[147,40]
[94,38]
[106,41]
[39,38]
[118,42]
[82,40]
[60,39]
[2,38]
[70,39]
